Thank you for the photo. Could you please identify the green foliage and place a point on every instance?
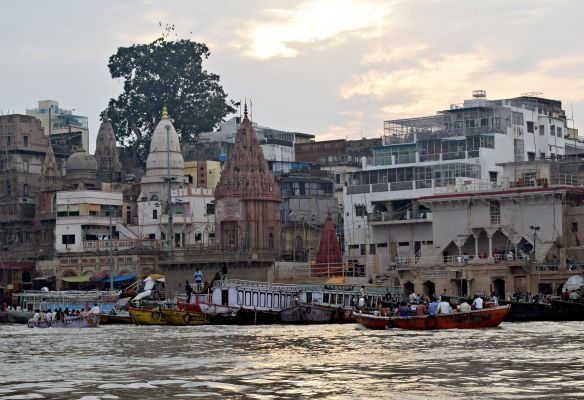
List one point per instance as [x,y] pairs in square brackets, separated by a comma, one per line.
[159,73]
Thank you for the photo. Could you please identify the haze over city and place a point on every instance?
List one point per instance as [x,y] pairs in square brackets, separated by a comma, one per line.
[337,69]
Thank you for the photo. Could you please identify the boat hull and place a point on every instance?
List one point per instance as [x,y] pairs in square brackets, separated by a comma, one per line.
[91,321]
[117,319]
[167,317]
[477,319]
[520,311]
[311,314]
[18,317]
[568,310]
[371,321]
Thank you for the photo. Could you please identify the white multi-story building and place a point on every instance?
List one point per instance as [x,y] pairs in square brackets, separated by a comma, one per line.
[464,145]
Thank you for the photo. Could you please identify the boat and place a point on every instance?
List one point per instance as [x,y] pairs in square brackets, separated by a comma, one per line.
[333,303]
[520,311]
[166,316]
[90,321]
[18,316]
[565,310]
[475,319]
[312,314]
[116,319]
[372,321]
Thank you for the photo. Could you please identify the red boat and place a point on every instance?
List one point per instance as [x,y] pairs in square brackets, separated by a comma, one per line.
[487,318]
[371,321]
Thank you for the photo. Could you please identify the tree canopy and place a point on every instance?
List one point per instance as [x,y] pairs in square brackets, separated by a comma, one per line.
[164,73]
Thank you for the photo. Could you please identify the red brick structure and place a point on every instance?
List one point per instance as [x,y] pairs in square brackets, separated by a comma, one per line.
[247,212]
[328,259]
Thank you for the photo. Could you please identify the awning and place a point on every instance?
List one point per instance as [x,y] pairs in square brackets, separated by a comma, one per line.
[76,279]
[121,278]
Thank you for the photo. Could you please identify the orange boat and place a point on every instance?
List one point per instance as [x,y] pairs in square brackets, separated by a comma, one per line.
[487,318]
[371,321]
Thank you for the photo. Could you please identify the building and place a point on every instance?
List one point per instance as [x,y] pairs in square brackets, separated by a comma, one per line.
[203,174]
[58,121]
[465,145]
[106,153]
[22,150]
[247,198]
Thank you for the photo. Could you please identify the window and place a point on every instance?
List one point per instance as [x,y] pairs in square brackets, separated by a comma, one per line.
[8,140]
[338,179]
[25,190]
[372,249]
[542,129]
[552,130]
[497,121]
[25,165]
[211,209]
[362,248]
[530,156]
[530,126]
[493,176]
[360,210]
[574,227]
[495,212]
[517,118]
[68,239]
[154,214]
[559,131]
[542,155]
[25,141]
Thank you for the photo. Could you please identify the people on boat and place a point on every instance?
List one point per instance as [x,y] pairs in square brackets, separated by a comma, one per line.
[403,310]
[361,302]
[566,294]
[477,303]
[188,290]
[422,309]
[443,308]
[36,316]
[198,280]
[94,310]
[432,307]
[49,315]
[412,298]
[464,307]
[494,299]
[574,295]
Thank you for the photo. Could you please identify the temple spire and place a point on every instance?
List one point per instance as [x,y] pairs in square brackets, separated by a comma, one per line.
[164,112]
[245,109]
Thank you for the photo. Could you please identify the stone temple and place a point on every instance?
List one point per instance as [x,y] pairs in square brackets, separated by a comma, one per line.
[247,198]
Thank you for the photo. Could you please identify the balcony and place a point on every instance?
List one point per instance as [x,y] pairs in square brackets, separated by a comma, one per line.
[385,218]
[82,219]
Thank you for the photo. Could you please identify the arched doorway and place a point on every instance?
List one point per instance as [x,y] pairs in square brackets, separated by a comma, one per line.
[408,288]
[429,288]
[499,288]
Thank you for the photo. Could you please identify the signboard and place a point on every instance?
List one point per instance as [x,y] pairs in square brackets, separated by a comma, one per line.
[434,274]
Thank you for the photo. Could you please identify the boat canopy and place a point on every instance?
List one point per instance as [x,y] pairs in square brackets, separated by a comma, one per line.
[76,279]
[120,278]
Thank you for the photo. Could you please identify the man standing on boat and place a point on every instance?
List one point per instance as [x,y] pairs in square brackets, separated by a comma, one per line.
[189,291]
[94,310]
[477,304]
[198,280]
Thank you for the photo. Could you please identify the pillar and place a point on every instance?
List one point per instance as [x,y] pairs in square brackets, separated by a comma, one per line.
[490,233]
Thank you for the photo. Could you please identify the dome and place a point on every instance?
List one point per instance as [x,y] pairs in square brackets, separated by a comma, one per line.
[165,150]
[81,161]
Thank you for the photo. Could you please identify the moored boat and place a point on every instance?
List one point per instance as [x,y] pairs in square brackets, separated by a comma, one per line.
[486,318]
[564,310]
[116,319]
[371,321]
[90,321]
[312,314]
[520,311]
[166,316]
[147,316]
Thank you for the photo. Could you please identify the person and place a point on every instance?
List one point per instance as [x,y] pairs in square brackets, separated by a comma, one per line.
[36,316]
[432,307]
[443,308]
[510,255]
[463,307]
[465,258]
[94,310]
[403,310]
[477,303]
[198,280]
[224,272]
[574,296]
[49,315]
[422,309]
[566,295]
[412,298]
[361,302]
[188,290]
[494,299]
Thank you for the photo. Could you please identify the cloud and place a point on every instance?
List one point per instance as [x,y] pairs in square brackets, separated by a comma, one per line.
[383,55]
[314,21]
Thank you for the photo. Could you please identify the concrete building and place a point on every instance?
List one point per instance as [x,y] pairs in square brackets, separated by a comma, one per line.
[456,148]
[22,150]
[203,174]
[58,121]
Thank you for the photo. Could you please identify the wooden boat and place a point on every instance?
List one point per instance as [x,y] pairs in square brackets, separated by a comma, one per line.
[312,314]
[166,316]
[116,319]
[18,316]
[564,310]
[371,321]
[520,311]
[91,321]
[486,318]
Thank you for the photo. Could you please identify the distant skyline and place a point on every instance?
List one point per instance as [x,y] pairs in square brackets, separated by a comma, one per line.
[333,68]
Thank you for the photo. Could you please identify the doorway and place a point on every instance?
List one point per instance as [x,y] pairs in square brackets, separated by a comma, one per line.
[429,288]
[499,288]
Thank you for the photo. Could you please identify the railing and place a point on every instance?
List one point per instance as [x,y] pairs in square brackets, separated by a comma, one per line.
[96,218]
[387,216]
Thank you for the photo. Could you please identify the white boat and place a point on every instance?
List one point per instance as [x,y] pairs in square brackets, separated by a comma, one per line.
[90,321]
[218,310]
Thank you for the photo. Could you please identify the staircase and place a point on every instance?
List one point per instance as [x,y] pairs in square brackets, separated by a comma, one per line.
[125,232]
[430,255]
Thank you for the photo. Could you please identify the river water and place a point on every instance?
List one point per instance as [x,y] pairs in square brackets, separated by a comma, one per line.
[515,361]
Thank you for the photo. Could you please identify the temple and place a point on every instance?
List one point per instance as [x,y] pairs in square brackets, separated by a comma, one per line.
[247,197]
[328,258]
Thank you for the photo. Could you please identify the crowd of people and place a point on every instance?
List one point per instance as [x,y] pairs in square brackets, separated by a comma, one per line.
[60,315]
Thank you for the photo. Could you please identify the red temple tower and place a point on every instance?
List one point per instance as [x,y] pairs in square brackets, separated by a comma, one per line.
[328,259]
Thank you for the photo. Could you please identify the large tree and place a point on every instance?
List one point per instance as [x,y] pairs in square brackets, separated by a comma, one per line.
[164,73]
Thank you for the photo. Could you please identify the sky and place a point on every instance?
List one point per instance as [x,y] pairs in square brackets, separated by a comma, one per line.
[333,68]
